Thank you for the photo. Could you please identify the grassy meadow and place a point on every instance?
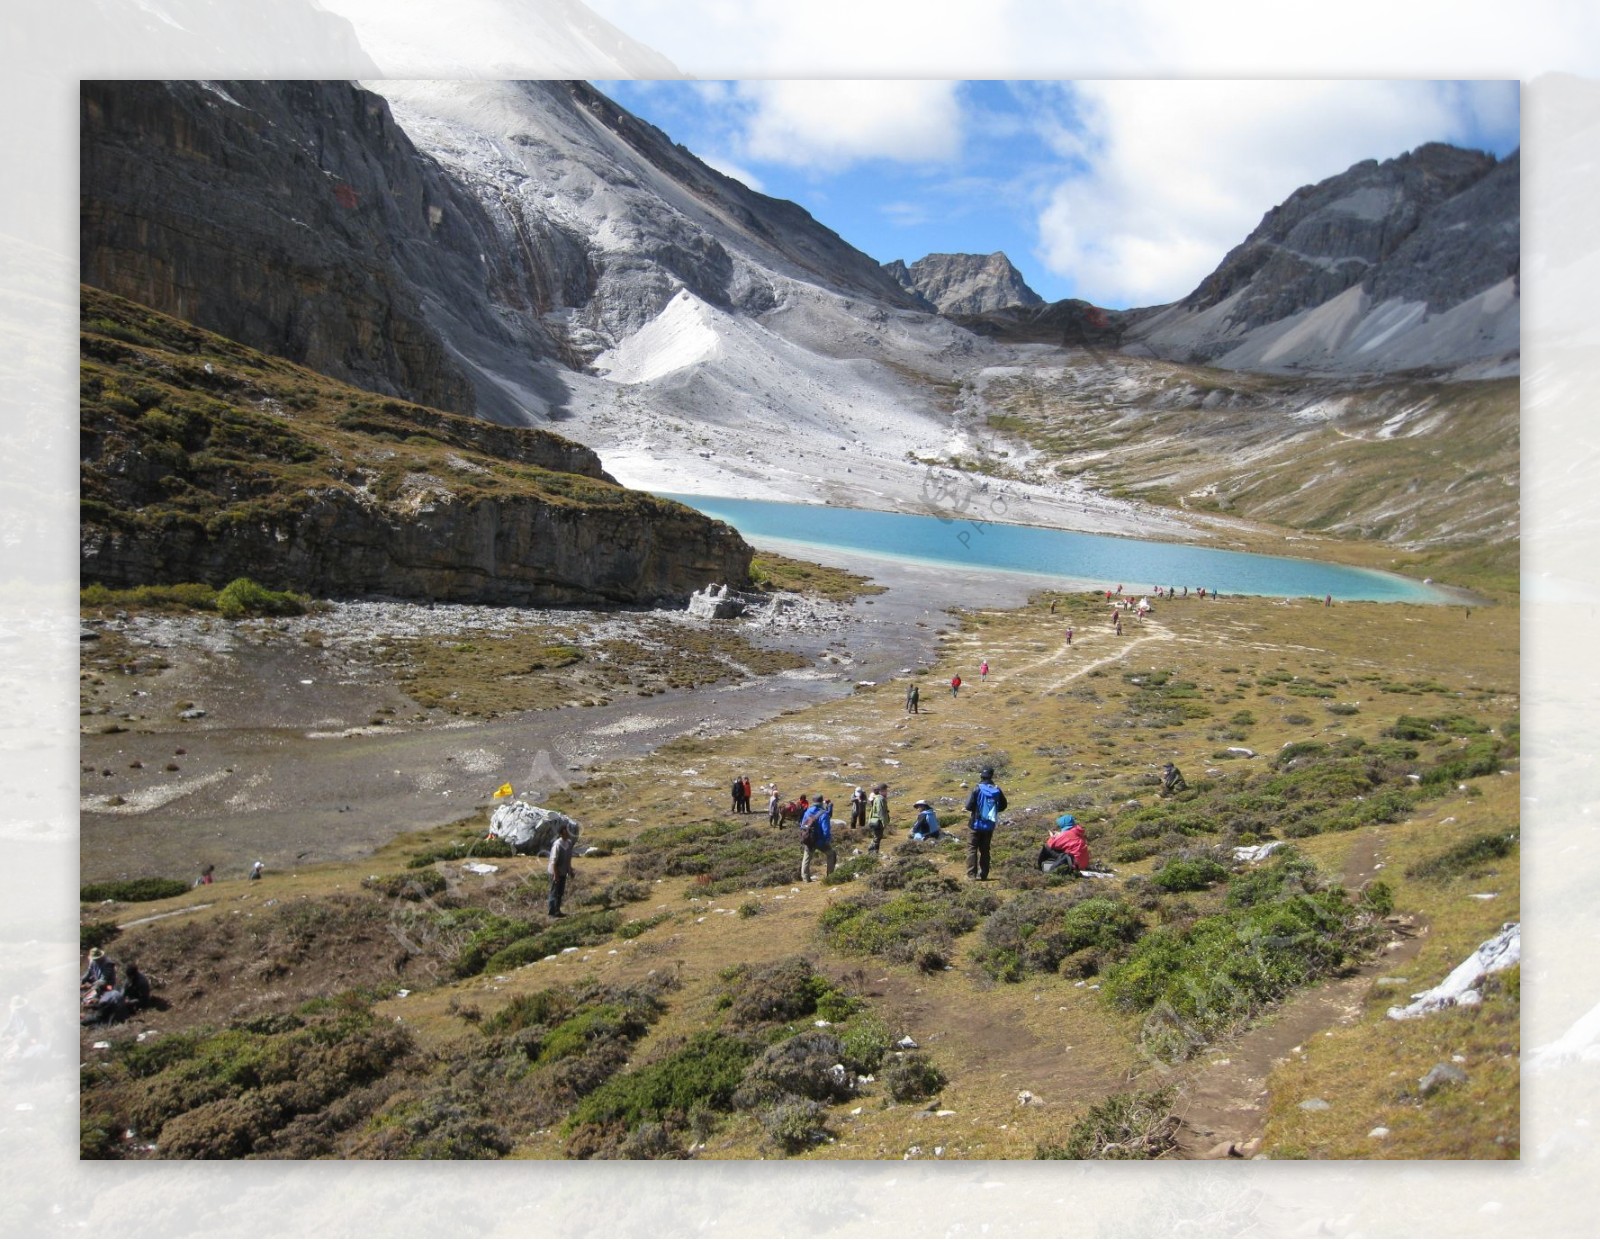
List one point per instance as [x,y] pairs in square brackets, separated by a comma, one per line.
[698,1000]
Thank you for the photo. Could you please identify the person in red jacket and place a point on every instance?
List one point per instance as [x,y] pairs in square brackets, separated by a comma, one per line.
[1067,846]
[955,686]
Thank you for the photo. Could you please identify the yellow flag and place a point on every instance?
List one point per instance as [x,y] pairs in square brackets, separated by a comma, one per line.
[504,790]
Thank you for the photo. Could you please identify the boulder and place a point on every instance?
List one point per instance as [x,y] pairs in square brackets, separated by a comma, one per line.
[529,829]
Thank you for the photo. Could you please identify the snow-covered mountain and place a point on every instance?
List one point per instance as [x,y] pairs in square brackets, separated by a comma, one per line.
[533,253]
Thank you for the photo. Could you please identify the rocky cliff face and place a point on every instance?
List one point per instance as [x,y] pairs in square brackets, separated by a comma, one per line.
[297,218]
[956,284]
[206,461]
[1408,263]
[513,552]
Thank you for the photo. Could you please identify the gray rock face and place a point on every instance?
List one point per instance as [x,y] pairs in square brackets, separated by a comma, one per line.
[505,553]
[1381,225]
[1413,262]
[297,218]
[957,284]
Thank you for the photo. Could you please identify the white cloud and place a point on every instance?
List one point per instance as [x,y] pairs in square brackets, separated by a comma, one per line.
[828,125]
[906,214]
[1178,172]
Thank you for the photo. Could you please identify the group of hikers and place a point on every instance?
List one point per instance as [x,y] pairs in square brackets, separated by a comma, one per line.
[740,788]
[102,999]
[1064,847]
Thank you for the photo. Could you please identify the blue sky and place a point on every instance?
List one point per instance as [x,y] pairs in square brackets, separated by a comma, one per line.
[1121,192]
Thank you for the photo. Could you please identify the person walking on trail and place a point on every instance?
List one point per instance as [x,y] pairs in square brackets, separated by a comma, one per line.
[1172,780]
[926,826]
[983,670]
[913,697]
[955,686]
[1069,635]
[878,815]
[560,868]
[816,836]
[774,813]
[984,806]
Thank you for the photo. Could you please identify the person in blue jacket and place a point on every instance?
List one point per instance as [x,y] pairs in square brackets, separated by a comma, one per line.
[985,806]
[816,836]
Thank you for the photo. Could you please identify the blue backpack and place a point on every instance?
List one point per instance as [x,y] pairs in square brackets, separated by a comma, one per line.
[988,812]
[819,826]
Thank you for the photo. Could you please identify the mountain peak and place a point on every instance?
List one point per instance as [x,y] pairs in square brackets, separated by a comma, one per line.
[1370,270]
[965,283]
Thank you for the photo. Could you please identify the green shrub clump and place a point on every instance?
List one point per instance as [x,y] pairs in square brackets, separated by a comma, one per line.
[1467,857]
[915,926]
[1188,874]
[417,886]
[1041,931]
[912,1077]
[1198,981]
[243,597]
[459,851]
[1137,1124]
[703,1072]
[727,856]
[132,890]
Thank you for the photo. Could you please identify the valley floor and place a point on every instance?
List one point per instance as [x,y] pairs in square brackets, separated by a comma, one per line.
[681,892]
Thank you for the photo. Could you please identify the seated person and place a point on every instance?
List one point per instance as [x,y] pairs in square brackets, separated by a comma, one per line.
[136,990]
[927,824]
[101,1006]
[102,971]
[1172,780]
[1067,847]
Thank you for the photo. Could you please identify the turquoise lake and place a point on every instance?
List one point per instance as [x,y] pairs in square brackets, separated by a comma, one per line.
[1095,560]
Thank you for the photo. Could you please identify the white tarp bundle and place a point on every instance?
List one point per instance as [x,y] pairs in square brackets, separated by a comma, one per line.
[529,828]
[1256,852]
[1461,987]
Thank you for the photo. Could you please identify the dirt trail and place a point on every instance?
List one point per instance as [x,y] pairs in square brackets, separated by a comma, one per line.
[1225,1100]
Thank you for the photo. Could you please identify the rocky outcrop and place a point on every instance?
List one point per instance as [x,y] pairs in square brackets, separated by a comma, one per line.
[1409,263]
[203,461]
[521,551]
[965,284]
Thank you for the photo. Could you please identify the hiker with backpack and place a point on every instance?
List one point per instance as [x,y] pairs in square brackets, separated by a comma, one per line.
[985,806]
[1172,780]
[1067,848]
[816,836]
